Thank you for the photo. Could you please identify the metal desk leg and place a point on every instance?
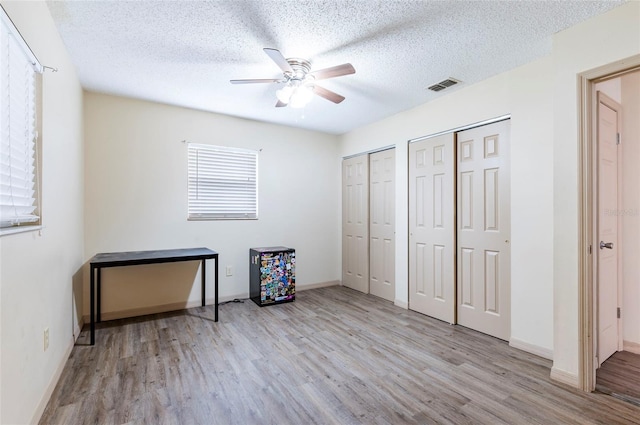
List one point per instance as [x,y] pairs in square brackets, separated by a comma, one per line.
[215,317]
[204,281]
[98,307]
[91,307]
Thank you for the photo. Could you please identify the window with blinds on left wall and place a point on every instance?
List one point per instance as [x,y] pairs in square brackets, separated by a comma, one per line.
[20,94]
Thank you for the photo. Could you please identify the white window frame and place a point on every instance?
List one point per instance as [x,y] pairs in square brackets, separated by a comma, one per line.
[20,96]
[222,183]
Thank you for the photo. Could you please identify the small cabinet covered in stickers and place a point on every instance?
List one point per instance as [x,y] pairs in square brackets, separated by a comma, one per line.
[272,275]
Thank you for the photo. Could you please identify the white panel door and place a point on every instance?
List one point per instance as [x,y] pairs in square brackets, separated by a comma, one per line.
[432,227]
[608,241]
[355,223]
[382,203]
[484,227]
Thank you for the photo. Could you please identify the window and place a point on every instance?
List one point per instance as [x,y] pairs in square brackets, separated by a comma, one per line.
[19,94]
[223,183]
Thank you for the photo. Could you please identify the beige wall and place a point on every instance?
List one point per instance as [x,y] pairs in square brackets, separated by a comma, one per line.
[136,199]
[612,88]
[630,100]
[38,271]
[602,40]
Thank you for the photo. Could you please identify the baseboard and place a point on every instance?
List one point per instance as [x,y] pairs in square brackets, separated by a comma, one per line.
[632,347]
[401,304]
[243,296]
[77,329]
[565,377]
[142,311]
[530,348]
[317,285]
[42,404]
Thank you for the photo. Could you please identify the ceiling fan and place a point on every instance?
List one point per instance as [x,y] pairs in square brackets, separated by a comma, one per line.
[299,81]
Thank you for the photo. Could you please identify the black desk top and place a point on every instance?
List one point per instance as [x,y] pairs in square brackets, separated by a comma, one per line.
[115,259]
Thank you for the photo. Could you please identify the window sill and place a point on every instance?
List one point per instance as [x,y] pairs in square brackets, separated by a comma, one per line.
[219,218]
[20,229]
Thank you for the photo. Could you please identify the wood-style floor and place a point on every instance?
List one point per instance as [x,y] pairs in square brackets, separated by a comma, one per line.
[334,356]
[619,376]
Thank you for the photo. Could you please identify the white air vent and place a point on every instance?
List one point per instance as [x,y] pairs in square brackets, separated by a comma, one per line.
[443,84]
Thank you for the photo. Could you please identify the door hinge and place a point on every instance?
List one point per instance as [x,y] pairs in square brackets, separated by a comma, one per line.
[590,249]
[618,312]
[617,138]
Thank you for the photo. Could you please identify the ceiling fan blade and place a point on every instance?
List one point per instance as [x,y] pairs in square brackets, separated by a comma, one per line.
[334,71]
[328,94]
[251,81]
[280,104]
[280,60]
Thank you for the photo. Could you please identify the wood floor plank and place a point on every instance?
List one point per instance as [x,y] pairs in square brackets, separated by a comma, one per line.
[619,375]
[334,356]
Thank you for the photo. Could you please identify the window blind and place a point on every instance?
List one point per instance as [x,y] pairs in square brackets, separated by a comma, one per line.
[18,162]
[223,182]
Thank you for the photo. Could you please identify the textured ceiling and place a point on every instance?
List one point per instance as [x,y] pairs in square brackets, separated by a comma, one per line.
[185,52]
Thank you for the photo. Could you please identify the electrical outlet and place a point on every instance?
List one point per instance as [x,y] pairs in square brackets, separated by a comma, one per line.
[46,339]
[229,271]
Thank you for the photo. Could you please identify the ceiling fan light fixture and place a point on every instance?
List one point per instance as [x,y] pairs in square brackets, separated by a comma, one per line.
[284,94]
[299,82]
[301,96]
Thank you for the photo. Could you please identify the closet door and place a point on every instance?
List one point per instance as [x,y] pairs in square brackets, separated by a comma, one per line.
[432,227]
[382,170]
[355,223]
[484,226]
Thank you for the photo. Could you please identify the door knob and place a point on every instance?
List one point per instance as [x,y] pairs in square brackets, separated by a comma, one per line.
[608,245]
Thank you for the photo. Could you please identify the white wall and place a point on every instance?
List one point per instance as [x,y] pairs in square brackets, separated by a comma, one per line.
[630,100]
[601,40]
[525,94]
[136,199]
[38,272]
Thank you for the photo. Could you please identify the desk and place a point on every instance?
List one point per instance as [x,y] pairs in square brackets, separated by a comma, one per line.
[120,259]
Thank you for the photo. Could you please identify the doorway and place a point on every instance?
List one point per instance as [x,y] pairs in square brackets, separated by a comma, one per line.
[608,261]
[610,230]
[616,216]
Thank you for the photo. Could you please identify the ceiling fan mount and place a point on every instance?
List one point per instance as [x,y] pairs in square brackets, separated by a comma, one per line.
[299,80]
[300,67]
